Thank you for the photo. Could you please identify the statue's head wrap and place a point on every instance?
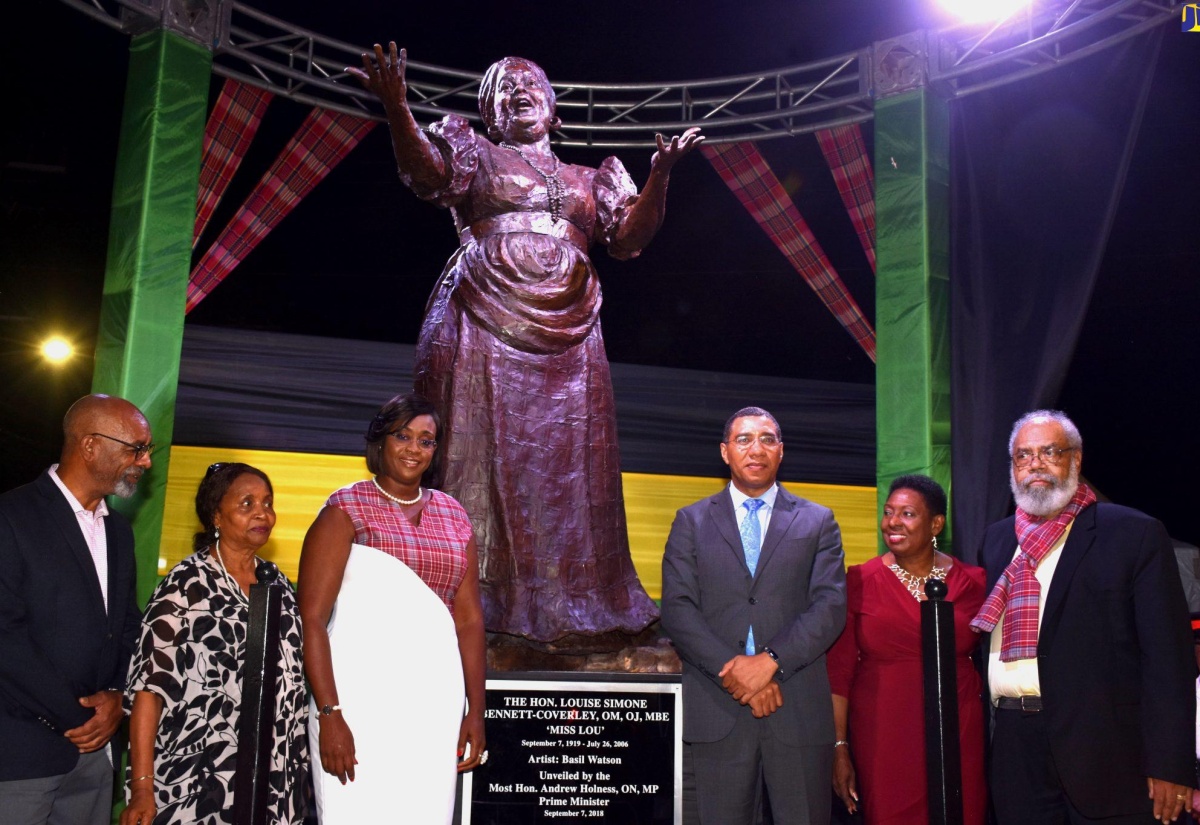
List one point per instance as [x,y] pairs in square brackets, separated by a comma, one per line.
[491,80]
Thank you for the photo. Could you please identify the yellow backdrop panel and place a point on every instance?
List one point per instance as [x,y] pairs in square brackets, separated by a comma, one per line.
[303,481]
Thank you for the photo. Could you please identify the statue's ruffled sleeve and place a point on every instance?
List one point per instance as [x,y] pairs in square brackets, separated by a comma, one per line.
[615,194]
[454,138]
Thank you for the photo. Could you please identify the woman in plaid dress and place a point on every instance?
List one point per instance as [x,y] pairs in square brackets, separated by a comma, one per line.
[389,599]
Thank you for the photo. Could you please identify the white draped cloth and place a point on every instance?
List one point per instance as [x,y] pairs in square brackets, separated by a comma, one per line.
[400,686]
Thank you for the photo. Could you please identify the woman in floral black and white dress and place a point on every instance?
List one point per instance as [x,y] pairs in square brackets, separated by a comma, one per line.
[185,679]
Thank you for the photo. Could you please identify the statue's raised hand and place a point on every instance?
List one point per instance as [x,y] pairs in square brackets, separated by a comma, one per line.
[383,74]
[669,153]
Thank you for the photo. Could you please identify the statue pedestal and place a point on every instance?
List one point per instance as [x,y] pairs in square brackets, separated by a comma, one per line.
[569,745]
[648,652]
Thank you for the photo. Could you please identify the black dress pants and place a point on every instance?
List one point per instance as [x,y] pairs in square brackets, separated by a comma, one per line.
[1025,784]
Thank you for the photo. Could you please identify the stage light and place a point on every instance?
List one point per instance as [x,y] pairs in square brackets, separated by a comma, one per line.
[57,350]
[983,11]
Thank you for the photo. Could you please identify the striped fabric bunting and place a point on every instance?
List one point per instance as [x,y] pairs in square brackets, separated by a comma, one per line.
[846,154]
[747,174]
[231,126]
[320,144]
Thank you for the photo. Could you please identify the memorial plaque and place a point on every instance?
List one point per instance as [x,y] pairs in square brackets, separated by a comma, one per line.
[576,747]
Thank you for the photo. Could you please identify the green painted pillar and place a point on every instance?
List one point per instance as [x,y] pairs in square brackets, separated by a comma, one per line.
[149,256]
[912,302]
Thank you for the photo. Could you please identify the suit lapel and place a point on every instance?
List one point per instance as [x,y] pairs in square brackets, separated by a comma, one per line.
[782,515]
[1079,542]
[1000,557]
[115,611]
[726,521]
[65,521]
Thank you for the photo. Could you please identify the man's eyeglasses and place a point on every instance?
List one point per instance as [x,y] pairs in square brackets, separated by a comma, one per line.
[1048,455]
[139,450]
[744,441]
[427,444]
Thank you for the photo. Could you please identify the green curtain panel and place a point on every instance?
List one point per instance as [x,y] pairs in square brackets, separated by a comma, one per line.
[149,255]
[912,312]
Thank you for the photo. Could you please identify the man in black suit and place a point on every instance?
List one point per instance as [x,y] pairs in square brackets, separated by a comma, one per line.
[68,619]
[753,596]
[1090,664]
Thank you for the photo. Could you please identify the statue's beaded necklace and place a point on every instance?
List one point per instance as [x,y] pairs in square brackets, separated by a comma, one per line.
[555,191]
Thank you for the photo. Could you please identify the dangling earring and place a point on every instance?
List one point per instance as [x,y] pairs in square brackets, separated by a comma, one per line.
[935,542]
[217,535]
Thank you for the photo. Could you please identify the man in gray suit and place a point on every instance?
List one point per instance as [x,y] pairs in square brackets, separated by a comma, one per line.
[753,596]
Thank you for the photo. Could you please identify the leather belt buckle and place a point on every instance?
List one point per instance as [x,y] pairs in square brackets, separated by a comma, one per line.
[1025,704]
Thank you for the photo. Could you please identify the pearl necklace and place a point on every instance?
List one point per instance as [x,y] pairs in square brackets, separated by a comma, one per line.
[228,578]
[916,584]
[555,191]
[405,501]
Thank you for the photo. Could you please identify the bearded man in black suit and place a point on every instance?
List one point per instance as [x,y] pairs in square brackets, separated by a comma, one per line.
[1090,666]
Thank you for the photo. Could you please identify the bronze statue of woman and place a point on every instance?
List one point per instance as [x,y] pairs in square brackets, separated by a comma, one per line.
[510,350]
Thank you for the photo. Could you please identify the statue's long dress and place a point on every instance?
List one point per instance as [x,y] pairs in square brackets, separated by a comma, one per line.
[511,353]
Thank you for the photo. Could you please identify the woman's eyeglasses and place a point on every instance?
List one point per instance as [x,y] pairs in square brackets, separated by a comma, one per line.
[427,444]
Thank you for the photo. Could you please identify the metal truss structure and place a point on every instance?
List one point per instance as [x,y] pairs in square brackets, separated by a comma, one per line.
[307,67]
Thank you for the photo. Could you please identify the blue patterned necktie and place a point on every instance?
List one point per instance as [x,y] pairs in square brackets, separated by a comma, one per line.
[751,545]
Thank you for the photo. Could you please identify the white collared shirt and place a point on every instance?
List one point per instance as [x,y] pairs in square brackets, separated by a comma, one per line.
[764,512]
[1020,677]
[91,524]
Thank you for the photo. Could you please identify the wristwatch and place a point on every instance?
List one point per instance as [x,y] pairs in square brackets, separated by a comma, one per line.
[327,710]
[774,656]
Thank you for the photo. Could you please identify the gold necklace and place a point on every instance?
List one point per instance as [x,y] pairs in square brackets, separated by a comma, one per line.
[916,584]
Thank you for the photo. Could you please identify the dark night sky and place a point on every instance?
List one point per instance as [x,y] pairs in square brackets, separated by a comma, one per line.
[358,257]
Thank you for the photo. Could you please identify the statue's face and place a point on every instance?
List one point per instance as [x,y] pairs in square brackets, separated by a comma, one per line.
[522,105]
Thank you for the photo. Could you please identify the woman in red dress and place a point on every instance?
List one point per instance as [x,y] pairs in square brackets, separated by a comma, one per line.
[875,667]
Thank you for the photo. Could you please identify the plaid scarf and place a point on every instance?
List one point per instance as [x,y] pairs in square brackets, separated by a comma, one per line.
[1017,593]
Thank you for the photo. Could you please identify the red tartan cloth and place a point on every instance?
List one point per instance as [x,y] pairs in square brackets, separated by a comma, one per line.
[231,126]
[435,549]
[317,147]
[846,154]
[746,172]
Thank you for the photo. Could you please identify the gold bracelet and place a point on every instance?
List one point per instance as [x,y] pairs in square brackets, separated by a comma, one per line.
[141,778]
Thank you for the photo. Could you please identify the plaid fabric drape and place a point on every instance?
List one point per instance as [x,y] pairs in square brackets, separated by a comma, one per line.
[231,127]
[746,172]
[319,145]
[846,154]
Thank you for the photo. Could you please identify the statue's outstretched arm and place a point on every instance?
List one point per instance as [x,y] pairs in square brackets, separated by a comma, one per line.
[646,215]
[416,156]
